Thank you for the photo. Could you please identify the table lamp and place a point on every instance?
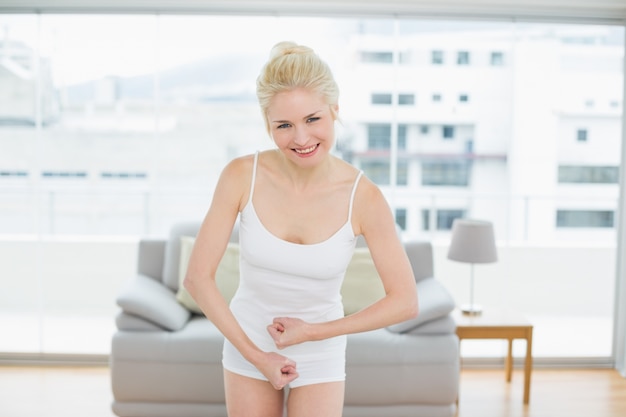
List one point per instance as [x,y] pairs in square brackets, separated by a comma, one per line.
[472,242]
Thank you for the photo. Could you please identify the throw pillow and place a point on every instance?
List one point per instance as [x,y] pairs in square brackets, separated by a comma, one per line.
[362,285]
[226,275]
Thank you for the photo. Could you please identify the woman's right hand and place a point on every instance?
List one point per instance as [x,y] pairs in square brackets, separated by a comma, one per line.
[278,369]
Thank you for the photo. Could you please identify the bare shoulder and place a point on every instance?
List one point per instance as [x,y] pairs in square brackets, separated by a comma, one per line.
[239,166]
[235,180]
[371,209]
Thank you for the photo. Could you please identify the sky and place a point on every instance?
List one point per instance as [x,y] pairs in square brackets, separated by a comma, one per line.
[88,47]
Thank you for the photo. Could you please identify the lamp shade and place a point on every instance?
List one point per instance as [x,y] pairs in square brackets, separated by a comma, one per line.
[473,241]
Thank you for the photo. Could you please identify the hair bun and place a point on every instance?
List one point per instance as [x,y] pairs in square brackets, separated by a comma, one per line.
[287,48]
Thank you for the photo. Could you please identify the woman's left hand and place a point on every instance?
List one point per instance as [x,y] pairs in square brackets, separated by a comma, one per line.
[287,331]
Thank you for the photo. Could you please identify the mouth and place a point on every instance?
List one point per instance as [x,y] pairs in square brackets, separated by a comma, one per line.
[306,151]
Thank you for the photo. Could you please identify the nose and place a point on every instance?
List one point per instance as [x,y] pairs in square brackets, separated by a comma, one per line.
[301,136]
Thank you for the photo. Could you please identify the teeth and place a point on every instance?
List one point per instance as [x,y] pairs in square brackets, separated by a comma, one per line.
[307,150]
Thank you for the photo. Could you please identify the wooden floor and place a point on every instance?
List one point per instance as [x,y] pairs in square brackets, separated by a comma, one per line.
[85,392]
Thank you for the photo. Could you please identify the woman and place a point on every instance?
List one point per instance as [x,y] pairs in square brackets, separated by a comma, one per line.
[301,210]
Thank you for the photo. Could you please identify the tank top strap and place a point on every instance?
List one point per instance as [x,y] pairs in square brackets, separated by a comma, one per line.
[356,182]
[256,159]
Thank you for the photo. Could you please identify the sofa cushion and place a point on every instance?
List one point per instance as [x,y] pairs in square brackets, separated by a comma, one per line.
[226,275]
[199,341]
[171,260]
[150,300]
[362,285]
[130,322]
[433,300]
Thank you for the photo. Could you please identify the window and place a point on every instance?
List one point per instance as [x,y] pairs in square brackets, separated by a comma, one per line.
[463,58]
[425,219]
[381,98]
[10,174]
[445,173]
[588,174]
[402,129]
[124,175]
[585,218]
[106,112]
[437,57]
[401,218]
[377,171]
[581,135]
[406,99]
[444,217]
[379,136]
[377,57]
[64,174]
[448,132]
[497,59]
[402,174]
[463,98]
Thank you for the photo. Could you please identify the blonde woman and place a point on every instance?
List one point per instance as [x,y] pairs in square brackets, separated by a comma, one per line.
[300,212]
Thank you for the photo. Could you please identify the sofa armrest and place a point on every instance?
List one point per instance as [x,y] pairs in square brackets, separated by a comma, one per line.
[433,300]
[150,255]
[420,254]
[146,298]
[129,322]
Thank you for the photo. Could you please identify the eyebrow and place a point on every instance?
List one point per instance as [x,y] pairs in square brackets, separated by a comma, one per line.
[305,117]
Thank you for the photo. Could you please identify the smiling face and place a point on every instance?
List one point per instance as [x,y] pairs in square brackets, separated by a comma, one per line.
[302,125]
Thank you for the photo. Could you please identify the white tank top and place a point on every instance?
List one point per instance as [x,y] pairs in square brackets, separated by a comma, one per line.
[284,279]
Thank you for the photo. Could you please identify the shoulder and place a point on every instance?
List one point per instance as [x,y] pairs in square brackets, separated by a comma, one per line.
[371,209]
[239,166]
[367,191]
[235,179]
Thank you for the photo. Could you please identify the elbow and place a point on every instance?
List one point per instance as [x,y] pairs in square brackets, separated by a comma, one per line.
[412,310]
[189,284]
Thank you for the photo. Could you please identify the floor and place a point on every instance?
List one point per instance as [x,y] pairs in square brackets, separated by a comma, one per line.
[58,391]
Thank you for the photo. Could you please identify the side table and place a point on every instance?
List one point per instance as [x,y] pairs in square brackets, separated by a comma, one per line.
[496,324]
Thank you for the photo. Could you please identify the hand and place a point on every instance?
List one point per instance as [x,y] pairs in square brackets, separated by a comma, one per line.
[287,331]
[278,369]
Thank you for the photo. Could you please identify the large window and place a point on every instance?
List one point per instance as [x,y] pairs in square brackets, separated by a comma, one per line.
[585,218]
[444,173]
[114,127]
[379,136]
[588,174]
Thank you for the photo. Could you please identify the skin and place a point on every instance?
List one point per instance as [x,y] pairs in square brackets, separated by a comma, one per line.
[301,186]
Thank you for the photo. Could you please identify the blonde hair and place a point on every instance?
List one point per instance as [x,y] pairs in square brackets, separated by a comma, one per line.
[292,66]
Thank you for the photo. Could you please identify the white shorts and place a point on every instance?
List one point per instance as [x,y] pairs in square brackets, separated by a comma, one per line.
[316,362]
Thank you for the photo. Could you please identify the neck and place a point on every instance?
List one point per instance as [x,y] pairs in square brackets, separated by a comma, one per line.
[304,177]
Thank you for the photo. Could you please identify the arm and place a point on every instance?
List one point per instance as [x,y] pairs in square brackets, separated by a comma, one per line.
[373,219]
[228,200]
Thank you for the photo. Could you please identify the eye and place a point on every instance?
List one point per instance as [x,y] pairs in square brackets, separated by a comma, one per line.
[283,126]
[312,119]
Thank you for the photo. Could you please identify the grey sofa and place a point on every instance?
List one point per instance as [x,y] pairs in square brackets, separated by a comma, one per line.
[166,361]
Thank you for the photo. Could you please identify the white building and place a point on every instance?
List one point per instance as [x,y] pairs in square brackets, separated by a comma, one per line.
[520,127]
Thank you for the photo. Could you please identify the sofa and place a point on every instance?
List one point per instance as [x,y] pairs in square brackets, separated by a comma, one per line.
[166,358]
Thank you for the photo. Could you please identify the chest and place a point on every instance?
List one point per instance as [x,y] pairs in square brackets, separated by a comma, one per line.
[305,218]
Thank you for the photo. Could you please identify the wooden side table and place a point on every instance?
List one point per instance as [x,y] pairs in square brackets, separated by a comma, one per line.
[496,324]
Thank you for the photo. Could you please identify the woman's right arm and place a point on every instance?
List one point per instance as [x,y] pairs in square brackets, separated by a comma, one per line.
[210,244]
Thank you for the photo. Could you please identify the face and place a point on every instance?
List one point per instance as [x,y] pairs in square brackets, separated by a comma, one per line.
[302,126]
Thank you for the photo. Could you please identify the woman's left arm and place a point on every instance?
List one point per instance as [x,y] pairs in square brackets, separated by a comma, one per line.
[372,218]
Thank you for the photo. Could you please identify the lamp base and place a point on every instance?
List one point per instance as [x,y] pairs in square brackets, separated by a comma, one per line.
[471,309]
